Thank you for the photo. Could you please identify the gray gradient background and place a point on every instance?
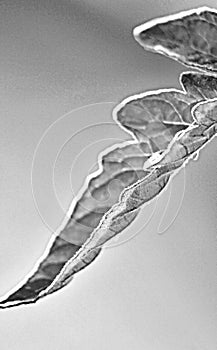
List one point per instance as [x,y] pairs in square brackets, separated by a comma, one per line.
[154,292]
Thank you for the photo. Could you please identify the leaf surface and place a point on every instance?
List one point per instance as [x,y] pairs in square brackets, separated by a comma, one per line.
[188,37]
[120,167]
[155,117]
[200,86]
[181,149]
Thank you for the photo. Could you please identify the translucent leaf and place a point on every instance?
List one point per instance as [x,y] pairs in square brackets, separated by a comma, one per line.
[181,149]
[120,167]
[188,37]
[156,116]
[129,176]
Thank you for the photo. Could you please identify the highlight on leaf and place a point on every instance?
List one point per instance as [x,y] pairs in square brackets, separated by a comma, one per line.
[188,37]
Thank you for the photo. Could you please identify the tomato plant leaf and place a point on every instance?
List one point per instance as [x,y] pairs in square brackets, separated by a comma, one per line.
[188,37]
[120,166]
[180,150]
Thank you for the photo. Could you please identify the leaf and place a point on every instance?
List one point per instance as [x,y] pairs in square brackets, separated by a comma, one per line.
[147,186]
[120,166]
[156,116]
[128,177]
[188,37]
[205,114]
[181,149]
[199,85]
[185,145]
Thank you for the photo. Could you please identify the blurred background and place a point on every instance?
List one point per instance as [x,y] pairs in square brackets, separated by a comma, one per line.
[64,66]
